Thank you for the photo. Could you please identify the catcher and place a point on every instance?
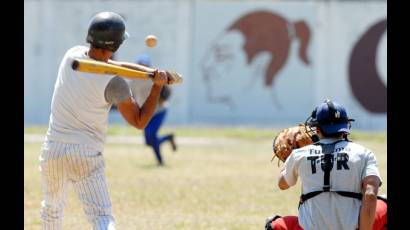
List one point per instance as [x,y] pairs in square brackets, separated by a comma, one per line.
[340,179]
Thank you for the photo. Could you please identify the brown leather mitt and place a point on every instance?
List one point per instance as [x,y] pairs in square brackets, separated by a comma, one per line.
[291,138]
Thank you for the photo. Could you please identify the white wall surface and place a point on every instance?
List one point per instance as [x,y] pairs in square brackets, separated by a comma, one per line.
[227,90]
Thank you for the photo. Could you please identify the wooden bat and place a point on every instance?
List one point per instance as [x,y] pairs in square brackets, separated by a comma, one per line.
[99,67]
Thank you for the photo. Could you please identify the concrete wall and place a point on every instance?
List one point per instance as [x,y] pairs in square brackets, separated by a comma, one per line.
[244,62]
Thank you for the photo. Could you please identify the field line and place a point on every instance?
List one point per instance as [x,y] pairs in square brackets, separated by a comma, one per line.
[36,138]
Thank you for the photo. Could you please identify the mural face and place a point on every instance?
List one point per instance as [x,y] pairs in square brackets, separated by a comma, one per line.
[217,65]
[260,43]
[367,83]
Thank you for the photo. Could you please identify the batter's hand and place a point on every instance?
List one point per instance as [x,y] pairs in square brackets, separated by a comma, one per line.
[172,77]
[160,78]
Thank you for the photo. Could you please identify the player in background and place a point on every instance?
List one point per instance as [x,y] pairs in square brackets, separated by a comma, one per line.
[140,90]
[340,179]
[74,143]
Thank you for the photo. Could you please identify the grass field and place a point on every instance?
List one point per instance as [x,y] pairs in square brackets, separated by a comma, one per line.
[227,185]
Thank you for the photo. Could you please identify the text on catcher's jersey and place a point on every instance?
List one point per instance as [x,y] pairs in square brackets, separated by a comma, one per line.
[328,210]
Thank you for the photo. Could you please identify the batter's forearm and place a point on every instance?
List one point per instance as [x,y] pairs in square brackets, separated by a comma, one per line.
[148,109]
[139,117]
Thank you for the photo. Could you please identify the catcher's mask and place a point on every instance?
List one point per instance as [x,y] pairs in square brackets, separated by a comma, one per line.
[330,117]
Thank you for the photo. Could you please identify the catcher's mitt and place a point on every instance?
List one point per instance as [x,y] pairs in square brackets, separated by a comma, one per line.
[292,138]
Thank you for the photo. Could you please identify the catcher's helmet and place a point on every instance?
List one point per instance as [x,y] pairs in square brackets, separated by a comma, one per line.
[107,31]
[330,117]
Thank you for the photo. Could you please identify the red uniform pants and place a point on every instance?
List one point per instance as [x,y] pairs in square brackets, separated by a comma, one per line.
[291,222]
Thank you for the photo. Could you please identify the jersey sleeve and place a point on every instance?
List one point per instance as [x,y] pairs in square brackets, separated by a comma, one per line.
[117,90]
[371,166]
[290,172]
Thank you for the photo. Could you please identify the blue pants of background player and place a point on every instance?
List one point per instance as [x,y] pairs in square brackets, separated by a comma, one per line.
[151,134]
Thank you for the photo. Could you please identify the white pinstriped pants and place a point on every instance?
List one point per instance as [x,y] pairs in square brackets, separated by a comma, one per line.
[61,163]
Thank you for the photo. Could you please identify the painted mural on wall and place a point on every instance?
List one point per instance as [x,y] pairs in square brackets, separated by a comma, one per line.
[265,62]
[253,49]
[365,80]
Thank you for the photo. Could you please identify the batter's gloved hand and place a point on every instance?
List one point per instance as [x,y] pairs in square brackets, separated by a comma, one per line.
[292,138]
[160,78]
[173,77]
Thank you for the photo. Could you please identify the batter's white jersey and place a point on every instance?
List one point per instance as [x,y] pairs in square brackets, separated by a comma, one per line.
[328,210]
[74,143]
[79,110]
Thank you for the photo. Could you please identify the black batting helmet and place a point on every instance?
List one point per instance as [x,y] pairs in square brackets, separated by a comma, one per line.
[107,31]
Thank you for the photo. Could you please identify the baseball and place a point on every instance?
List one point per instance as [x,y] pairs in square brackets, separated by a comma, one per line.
[151,40]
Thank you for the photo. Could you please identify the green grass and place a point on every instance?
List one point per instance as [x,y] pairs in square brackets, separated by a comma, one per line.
[228,132]
[228,185]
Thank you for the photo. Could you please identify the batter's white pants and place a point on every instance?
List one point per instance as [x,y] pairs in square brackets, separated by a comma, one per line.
[62,163]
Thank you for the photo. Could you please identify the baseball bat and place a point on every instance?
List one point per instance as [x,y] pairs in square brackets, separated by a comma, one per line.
[99,67]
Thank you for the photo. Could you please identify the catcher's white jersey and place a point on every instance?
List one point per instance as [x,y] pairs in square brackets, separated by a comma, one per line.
[328,210]
[79,110]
